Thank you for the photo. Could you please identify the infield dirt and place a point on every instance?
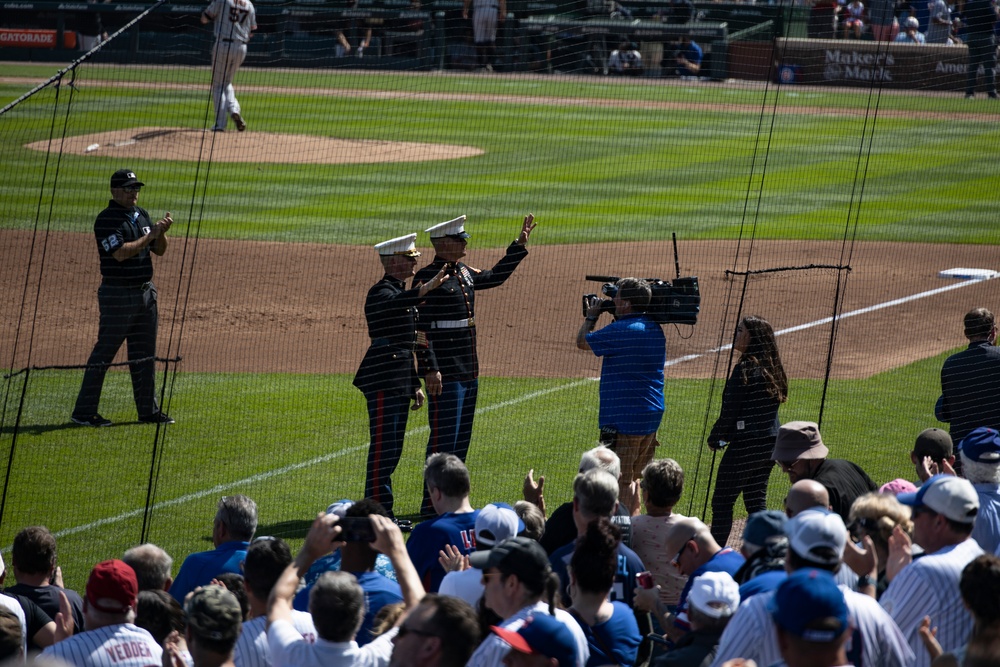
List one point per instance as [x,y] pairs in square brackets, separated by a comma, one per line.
[238,306]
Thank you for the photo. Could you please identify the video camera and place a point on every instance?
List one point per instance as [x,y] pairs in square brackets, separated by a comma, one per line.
[676,302]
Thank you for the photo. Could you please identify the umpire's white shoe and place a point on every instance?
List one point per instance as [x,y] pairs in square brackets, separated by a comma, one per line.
[240,123]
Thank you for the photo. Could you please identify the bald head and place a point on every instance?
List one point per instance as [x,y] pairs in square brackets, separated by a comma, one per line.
[690,543]
[806,494]
[685,530]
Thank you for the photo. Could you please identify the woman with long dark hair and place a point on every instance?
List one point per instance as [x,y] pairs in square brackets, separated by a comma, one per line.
[611,629]
[748,422]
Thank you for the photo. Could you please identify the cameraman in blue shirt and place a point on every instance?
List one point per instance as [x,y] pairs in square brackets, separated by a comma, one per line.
[634,351]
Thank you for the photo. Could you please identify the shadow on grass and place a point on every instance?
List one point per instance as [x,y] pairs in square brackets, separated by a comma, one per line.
[39,429]
[286,530]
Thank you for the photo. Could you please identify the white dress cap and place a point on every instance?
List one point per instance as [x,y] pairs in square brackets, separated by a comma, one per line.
[454,227]
[404,245]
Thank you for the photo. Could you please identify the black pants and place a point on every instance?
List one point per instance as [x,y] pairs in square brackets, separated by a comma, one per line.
[745,468]
[128,314]
[982,52]
[387,415]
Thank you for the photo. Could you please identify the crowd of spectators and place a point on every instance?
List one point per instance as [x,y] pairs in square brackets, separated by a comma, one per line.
[849,573]
[924,587]
[903,21]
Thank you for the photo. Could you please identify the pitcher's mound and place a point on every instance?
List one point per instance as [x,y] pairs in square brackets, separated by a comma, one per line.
[175,143]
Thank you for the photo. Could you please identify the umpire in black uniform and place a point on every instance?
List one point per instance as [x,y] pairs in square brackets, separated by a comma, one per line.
[448,323]
[127,301]
[387,375]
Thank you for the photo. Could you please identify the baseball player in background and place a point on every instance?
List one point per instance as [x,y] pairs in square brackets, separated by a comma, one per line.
[486,14]
[235,21]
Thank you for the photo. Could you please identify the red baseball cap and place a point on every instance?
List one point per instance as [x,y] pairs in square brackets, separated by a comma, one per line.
[112,587]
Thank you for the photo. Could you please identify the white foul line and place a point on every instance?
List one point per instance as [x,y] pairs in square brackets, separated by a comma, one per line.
[259,477]
[842,316]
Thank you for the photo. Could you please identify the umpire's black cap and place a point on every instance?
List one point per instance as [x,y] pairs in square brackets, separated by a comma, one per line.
[124,178]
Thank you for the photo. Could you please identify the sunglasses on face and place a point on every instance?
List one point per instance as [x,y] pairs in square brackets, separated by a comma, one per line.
[676,560]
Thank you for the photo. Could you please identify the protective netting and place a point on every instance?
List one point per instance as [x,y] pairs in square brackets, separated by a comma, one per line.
[799,204]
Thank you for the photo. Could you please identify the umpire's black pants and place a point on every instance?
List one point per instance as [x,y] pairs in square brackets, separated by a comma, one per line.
[982,52]
[128,313]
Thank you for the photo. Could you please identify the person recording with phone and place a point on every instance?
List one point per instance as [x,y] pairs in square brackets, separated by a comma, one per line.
[337,601]
[634,352]
[748,422]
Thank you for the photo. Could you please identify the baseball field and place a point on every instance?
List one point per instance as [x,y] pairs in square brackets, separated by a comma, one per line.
[798,204]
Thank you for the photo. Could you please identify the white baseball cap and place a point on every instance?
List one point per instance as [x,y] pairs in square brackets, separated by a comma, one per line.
[340,508]
[403,245]
[495,523]
[454,227]
[950,496]
[715,594]
[815,528]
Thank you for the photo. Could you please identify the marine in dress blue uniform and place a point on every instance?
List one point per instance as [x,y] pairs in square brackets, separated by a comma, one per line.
[127,301]
[387,375]
[447,326]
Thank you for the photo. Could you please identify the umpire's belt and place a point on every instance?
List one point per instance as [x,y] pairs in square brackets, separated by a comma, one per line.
[126,282]
[454,324]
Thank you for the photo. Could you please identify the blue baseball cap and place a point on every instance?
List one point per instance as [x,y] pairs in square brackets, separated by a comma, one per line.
[981,445]
[810,605]
[950,496]
[545,635]
[763,525]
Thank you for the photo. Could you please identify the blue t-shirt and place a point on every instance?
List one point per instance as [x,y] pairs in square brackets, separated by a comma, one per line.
[383,573]
[429,537]
[693,54]
[200,568]
[726,560]
[635,351]
[762,583]
[379,591]
[623,589]
[619,634]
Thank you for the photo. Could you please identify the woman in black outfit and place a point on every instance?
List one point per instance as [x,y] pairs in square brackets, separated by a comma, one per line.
[748,421]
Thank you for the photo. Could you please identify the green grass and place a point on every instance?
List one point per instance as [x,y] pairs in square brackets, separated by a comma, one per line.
[557,87]
[589,173]
[298,442]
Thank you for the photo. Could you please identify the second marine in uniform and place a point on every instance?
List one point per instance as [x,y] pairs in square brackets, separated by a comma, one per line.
[447,329]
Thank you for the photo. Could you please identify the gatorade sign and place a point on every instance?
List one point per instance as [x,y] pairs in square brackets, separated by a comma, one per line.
[29,39]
